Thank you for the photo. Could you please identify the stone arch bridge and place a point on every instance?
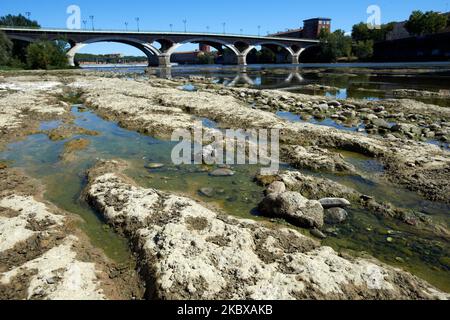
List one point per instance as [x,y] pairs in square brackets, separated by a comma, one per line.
[159,46]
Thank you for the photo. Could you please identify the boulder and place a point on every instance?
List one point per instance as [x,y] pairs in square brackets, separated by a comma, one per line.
[335,215]
[276,187]
[334,103]
[328,203]
[295,208]
[222,173]
[380,123]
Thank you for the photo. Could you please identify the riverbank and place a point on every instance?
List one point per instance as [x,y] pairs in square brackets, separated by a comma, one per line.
[156,107]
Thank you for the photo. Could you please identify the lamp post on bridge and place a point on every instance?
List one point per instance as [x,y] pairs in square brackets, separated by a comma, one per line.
[207,29]
[224,25]
[185,25]
[242,31]
[171,27]
[85,24]
[126,26]
[259,31]
[92,22]
[137,22]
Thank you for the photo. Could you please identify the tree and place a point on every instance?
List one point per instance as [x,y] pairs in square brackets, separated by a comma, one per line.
[206,58]
[46,55]
[363,49]
[361,32]
[5,50]
[430,22]
[334,45]
[18,21]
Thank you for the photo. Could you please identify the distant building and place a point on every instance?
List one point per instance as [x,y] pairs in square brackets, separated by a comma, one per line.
[311,29]
[399,31]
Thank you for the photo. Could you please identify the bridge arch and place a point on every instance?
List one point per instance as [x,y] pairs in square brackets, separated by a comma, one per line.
[212,42]
[149,50]
[277,48]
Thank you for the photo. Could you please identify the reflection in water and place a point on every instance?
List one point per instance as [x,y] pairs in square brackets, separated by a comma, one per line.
[341,81]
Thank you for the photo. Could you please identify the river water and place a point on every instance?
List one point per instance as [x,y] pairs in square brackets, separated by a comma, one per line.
[423,254]
[390,241]
[369,81]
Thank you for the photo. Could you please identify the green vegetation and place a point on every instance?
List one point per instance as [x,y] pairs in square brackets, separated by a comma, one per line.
[265,55]
[363,49]
[108,58]
[361,32]
[47,55]
[206,58]
[334,45]
[420,23]
[18,21]
[5,50]
[38,55]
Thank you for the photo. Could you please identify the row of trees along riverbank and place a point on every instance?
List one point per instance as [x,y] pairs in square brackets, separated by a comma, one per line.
[366,44]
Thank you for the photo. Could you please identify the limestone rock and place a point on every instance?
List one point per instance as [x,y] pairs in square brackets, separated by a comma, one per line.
[292,206]
[335,215]
[276,187]
[189,252]
[334,203]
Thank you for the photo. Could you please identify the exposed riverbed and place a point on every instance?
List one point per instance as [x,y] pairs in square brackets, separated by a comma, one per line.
[423,253]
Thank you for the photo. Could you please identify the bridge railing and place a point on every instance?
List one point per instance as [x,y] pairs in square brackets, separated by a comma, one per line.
[197,33]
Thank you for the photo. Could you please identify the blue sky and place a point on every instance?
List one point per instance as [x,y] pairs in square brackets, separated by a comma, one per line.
[237,14]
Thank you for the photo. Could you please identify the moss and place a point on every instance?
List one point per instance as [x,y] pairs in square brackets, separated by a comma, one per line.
[66,132]
[265,180]
[76,145]
[3,165]
[72,97]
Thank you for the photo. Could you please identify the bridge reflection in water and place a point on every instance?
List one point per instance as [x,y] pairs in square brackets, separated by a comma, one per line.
[243,77]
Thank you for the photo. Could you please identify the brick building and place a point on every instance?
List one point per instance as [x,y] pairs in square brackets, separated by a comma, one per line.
[311,29]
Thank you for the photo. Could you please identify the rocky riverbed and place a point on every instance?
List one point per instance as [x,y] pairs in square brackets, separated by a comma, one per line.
[186,249]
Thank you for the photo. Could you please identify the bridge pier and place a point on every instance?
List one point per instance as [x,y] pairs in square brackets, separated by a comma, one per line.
[295,59]
[72,52]
[164,61]
[242,59]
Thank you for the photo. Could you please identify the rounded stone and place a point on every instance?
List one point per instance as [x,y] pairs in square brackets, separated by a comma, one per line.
[328,203]
[207,192]
[335,215]
[222,173]
[276,187]
[154,165]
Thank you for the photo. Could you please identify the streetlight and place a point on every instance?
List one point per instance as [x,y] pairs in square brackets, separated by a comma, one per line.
[207,29]
[185,25]
[224,24]
[92,22]
[137,22]
[242,31]
[171,27]
[126,25]
[84,23]
[259,31]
